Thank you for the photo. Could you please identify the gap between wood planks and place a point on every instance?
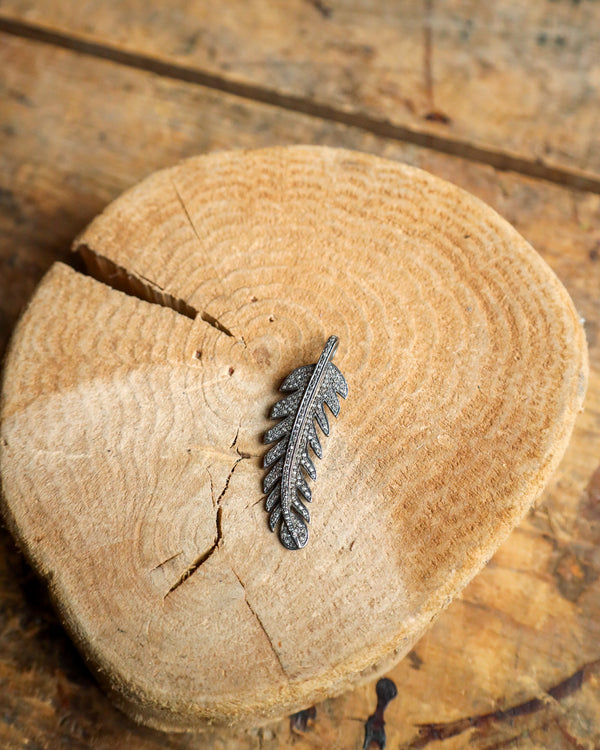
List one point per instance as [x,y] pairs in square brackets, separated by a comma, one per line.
[379,127]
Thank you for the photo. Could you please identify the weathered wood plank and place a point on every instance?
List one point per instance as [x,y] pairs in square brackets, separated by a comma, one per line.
[75,132]
[508,81]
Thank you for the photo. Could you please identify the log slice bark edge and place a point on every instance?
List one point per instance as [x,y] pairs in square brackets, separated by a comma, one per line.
[134,405]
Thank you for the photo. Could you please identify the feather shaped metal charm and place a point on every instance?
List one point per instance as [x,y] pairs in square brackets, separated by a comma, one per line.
[310,387]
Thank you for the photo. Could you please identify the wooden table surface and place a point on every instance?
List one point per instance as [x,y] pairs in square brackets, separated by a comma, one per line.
[503,101]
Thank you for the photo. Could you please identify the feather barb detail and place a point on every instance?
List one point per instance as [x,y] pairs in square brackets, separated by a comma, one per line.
[309,388]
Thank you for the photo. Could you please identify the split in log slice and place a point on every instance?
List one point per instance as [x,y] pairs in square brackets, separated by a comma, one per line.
[132,429]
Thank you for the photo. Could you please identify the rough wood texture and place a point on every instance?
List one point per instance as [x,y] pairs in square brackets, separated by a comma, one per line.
[508,83]
[528,623]
[131,433]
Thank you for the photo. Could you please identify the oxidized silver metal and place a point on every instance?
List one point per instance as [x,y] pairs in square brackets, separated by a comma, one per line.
[311,386]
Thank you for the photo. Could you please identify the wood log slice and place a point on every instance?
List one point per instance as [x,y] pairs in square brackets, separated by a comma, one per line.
[136,398]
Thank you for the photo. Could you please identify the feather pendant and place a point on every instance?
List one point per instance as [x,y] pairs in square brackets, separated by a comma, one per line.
[310,387]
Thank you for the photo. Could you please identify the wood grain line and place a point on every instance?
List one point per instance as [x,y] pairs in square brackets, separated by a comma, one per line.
[380,127]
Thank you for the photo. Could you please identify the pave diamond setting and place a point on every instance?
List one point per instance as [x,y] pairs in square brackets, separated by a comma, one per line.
[310,387]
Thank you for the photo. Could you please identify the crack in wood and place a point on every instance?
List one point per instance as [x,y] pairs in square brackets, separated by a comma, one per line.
[191,569]
[201,559]
[205,316]
[260,623]
[141,287]
[237,434]
[186,212]
[202,245]
[233,468]
[215,323]
[168,559]
[496,158]
[135,285]
[438,731]
[153,284]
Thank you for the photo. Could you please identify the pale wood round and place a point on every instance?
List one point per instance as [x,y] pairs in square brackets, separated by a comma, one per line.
[131,450]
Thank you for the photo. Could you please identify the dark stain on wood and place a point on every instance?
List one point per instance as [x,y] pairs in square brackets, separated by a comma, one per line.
[437,116]
[324,9]
[437,731]
[573,574]
[414,660]
[299,721]
[375,724]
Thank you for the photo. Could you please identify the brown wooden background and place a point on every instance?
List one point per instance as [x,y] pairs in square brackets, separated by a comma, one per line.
[503,100]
